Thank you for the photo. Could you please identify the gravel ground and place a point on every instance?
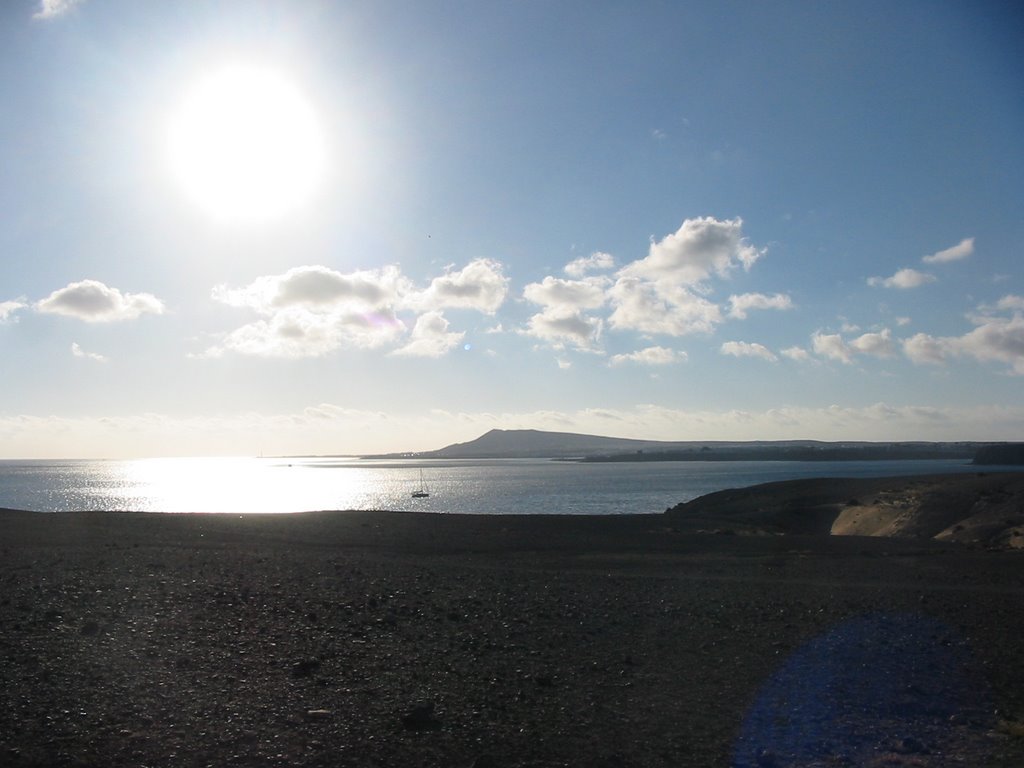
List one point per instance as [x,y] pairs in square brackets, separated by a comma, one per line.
[382,639]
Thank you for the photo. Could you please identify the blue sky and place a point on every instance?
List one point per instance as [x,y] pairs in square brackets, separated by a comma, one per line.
[316,227]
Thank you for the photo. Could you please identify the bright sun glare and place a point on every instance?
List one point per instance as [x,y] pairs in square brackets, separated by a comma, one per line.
[245,145]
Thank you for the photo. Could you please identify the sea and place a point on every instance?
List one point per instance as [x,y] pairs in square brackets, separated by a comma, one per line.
[485,487]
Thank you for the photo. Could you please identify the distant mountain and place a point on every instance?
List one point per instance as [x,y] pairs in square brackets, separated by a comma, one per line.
[533,443]
[536,444]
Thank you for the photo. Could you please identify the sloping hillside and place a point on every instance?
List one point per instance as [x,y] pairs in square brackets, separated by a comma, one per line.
[985,509]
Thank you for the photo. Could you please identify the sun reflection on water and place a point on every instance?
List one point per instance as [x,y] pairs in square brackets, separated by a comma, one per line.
[244,485]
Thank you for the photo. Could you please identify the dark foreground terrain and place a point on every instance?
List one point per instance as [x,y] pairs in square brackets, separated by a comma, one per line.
[384,639]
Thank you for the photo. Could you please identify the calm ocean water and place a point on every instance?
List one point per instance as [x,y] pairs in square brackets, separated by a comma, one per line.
[475,487]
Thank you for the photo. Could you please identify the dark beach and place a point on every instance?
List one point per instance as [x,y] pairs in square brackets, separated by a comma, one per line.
[393,639]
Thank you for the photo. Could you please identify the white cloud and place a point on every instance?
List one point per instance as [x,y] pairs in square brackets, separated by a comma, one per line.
[663,292]
[641,306]
[588,293]
[8,309]
[77,351]
[903,279]
[831,346]
[924,349]
[480,286]
[1011,303]
[94,302]
[296,332]
[747,349]
[699,249]
[318,289]
[961,250]
[994,339]
[834,347]
[562,319]
[879,344]
[311,311]
[795,353]
[743,303]
[649,356]
[51,9]
[559,326]
[595,262]
[430,337]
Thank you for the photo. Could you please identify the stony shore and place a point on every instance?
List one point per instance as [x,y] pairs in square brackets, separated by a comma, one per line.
[388,639]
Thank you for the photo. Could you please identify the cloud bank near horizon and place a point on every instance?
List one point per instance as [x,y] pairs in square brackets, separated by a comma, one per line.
[333,429]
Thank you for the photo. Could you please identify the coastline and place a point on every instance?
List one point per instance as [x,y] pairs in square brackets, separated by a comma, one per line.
[378,638]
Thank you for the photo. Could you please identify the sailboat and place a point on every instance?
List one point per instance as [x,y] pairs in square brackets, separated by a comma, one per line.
[421,492]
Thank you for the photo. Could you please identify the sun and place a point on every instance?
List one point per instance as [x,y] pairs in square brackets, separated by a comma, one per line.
[245,145]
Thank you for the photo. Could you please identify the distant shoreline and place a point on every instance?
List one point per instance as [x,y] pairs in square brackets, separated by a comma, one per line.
[567,446]
[867,453]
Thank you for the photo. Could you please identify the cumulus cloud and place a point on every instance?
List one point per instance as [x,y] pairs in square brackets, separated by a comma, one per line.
[430,337]
[94,302]
[297,333]
[832,346]
[595,262]
[318,289]
[961,250]
[1011,303]
[51,9]
[924,349]
[8,310]
[562,318]
[310,311]
[903,279]
[642,306]
[588,293]
[879,344]
[798,354]
[748,349]
[77,351]
[480,286]
[835,347]
[559,326]
[743,303]
[995,338]
[665,292]
[649,356]
[700,248]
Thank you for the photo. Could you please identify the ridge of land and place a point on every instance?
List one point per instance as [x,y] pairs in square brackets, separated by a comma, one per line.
[532,443]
